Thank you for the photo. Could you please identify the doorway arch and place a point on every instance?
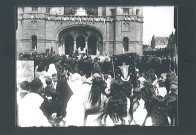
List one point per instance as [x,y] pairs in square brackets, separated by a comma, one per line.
[69,45]
[92,45]
[80,42]
[82,35]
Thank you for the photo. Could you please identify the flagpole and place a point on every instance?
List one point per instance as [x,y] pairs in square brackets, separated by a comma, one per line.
[134,57]
[113,65]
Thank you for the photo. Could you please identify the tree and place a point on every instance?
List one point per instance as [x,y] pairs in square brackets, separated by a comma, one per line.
[172,44]
[153,42]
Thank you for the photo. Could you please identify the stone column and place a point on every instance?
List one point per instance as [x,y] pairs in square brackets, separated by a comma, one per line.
[56,48]
[63,48]
[86,46]
[123,48]
[74,44]
[60,48]
[106,48]
[97,48]
[103,48]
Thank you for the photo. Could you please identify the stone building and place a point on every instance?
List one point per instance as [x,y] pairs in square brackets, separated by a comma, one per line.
[98,30]
[161,42]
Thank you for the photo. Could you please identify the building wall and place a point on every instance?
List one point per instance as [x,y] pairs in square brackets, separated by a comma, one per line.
[47,31]
[160,46]
[28,30]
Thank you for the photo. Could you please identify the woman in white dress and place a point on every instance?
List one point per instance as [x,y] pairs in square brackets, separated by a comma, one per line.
[75,108]
[30,113]
[51,70]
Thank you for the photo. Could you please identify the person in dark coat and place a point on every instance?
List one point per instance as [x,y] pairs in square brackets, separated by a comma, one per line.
[64,94]
[58,68]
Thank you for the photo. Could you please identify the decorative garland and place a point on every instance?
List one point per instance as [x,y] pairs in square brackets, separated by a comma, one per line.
[80,19]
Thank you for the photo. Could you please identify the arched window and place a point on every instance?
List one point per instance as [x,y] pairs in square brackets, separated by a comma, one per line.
[34,42]
[126,43]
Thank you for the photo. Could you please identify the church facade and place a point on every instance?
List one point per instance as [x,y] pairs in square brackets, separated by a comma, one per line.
[96,30]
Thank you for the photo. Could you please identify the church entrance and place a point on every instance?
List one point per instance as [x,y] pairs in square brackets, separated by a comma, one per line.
[69,45]
[82,38]
[92,45]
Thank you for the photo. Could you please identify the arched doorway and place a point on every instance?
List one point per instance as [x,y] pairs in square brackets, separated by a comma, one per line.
[69,45]
[74,37]
[80,42]
[92,45]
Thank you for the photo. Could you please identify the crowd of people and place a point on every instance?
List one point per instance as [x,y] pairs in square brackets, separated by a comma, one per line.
[82,91]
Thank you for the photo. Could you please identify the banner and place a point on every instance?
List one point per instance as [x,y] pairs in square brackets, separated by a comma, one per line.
[24,71]
[124,67]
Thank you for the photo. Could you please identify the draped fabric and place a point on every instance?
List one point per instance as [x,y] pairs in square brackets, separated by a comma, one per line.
[139,114]
[75,108]
[64,94]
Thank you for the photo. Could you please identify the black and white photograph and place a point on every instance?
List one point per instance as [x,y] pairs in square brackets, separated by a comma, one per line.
[90,66]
